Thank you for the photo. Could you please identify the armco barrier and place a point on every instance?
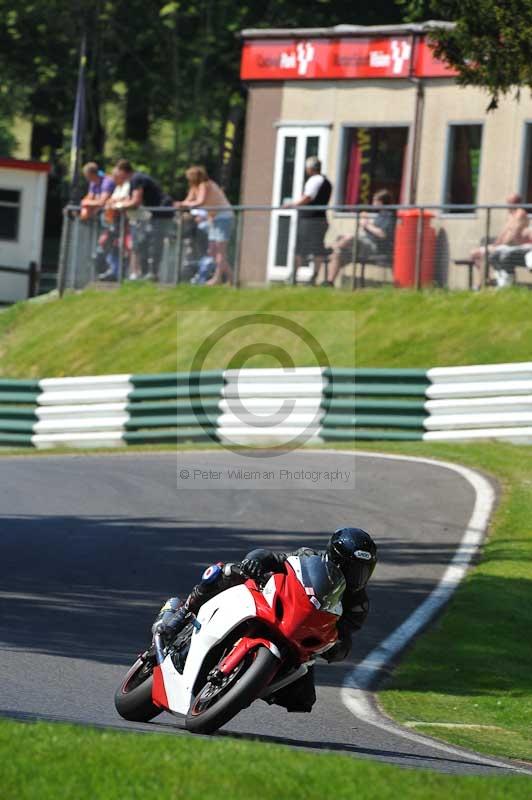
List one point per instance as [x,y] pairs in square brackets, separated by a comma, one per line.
[378,404]
[270,406]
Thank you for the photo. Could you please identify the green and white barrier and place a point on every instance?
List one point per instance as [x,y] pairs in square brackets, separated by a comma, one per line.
[374,404]
[18,402]
[271,405]
[267,406]
[480,402]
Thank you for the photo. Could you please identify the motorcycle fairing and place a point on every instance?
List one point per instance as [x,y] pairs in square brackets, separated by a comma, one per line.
[286,602]
[323,581]
[305,615]
[217,617]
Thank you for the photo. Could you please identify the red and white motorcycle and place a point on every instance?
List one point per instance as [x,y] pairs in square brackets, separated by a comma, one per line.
[246,643]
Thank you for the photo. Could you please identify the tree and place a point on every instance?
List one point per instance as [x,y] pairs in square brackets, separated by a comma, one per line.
[490,45]
[162,77]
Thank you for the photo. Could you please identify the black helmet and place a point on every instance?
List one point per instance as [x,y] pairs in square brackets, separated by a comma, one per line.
[355,552]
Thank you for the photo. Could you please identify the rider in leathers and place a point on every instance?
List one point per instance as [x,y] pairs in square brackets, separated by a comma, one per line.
[351,549]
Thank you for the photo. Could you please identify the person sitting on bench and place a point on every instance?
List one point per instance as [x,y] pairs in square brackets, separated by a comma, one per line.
[375,237]
[512,235]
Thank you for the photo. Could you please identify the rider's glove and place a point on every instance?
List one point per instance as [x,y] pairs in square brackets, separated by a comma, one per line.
[252,568]
[170,619]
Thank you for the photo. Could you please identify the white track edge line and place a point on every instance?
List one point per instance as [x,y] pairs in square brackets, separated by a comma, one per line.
[355,697]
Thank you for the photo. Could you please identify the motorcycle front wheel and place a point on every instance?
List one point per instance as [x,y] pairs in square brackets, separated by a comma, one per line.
[133,697]
[216,704]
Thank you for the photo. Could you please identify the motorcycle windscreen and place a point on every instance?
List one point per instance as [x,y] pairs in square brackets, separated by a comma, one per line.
[324,579]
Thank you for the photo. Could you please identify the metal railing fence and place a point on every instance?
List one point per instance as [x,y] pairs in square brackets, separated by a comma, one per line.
[425,246]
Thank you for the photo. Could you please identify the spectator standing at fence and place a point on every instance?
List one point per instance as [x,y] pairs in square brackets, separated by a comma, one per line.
[109,241]
[101,186]
[312,222]
[143,191]
[204,192]
[375,236]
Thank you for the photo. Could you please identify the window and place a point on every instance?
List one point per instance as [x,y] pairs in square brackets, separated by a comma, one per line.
[289,160]
[373,159]
[526,188]
[9,214]
[463,162]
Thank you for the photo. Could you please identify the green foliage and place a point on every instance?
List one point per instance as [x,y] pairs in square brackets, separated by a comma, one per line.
[490,45]
[8,141]
[177,62]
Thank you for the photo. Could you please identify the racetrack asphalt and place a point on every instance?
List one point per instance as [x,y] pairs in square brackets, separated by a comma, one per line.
[90,547]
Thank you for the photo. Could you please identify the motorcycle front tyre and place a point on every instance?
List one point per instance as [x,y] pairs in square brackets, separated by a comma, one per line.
[240,695]
[133,697]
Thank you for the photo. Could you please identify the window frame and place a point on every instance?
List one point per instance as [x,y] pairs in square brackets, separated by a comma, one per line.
[523,182]
[443,214]
[18,206]
[341,160]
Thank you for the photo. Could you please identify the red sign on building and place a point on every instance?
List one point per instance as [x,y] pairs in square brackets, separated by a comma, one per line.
[342,58]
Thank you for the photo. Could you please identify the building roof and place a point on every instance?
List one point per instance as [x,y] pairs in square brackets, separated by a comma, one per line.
[20,163]
[338,31]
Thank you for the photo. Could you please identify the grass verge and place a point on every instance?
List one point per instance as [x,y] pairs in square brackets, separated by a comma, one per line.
[135,328]
[472,670]
[75,762]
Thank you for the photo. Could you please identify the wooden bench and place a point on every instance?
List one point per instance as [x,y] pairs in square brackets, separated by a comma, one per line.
[357,280]
[466,262]
[383,260]
[505,259]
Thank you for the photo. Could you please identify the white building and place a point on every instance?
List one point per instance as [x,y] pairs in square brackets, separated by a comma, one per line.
[22,206]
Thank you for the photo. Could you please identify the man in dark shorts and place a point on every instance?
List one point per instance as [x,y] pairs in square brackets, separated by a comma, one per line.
[312,222]
[143,191]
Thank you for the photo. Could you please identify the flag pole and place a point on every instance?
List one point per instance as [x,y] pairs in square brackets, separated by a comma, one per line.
[78,125]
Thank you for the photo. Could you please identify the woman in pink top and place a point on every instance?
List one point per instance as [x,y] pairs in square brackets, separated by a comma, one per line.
[204,192]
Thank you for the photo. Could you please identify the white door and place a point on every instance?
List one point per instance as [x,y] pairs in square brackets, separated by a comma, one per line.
[294,145]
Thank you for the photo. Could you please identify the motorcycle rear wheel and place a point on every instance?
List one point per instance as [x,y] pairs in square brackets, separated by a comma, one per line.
[212,707]
[133,697]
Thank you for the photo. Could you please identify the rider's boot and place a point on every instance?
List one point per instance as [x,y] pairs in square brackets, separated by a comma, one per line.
[299,696]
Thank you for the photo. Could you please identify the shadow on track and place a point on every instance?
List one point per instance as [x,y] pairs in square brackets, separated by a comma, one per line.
[89,587]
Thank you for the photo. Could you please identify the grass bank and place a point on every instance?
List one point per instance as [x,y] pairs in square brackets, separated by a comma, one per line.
[468,679]
[75,762]
[150,329]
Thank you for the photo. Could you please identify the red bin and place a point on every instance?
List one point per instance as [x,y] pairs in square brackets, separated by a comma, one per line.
[406,238]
